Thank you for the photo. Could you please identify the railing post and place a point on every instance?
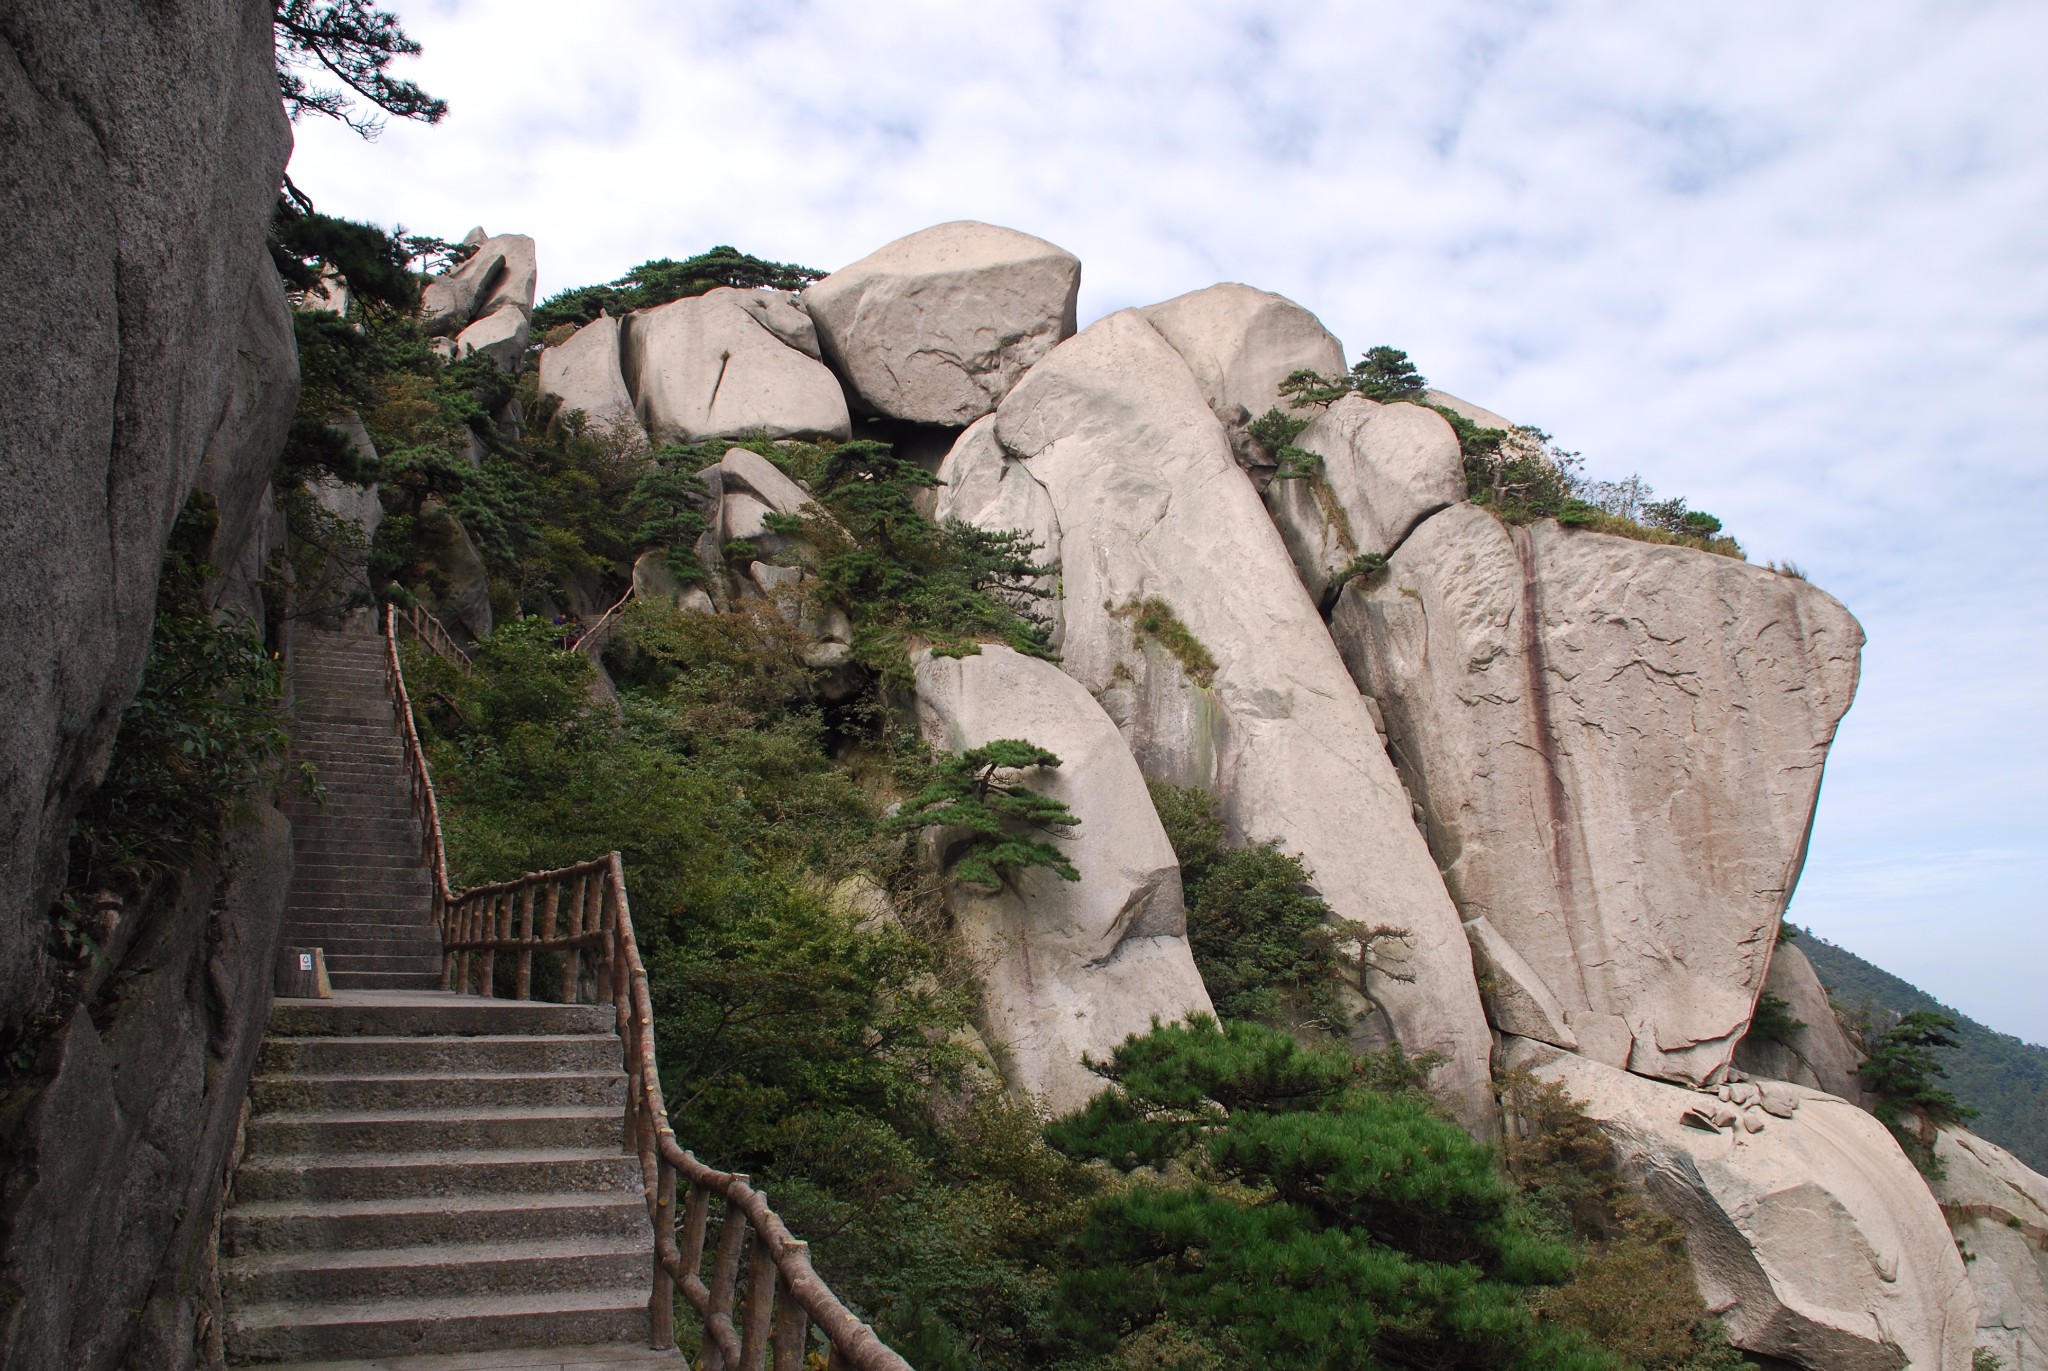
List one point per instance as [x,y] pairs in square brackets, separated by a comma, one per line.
[525,991]
[792,1324]
[608,924]
[460,922]
[661,1305]
[488,928]
[762,1277]
[725,1271]
[572,965]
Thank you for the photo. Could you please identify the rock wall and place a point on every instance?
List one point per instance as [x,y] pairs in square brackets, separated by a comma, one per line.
[1069,969]
[1151,505]
[1997,1208]
[1819,1053]
[1618,747]
[143,149]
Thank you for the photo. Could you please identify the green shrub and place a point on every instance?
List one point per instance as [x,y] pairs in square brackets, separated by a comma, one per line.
[976,793]
[1154,618]
[660,281]
[1903,1076]
[1773,1020]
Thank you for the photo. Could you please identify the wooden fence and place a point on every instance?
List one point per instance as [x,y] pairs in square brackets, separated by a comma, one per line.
[579,920]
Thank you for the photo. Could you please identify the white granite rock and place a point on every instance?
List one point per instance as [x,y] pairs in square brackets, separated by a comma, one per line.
[500,335]
[783,315]
[1069,968]
[583,371]
[706,367]
[1517,1001]
[1809,1231]
[980,485]
[1618,747]
[1149,503]
[449,302]
[937,327]
[1485,418]
[1241,343]
[1384,469]
[1997,1207]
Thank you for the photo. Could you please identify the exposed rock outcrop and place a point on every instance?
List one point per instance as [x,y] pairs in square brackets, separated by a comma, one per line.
[500,335]
[982,485]
[1809,1231]
[1150,505]
[1819,1054]
[502,271]
[1618,746]
[1069,969]
[1384,469]
[936,328]
[583,372]
[708,367]
[1997,1207]
[461,589]
[1240,343]
[262,394]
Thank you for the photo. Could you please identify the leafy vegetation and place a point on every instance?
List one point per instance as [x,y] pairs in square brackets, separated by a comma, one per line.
[664,279]
[1903,1075]
[1774,1021]
[355,44]
[976,797]
[2003,1079]
[1520,474]
[1153,618]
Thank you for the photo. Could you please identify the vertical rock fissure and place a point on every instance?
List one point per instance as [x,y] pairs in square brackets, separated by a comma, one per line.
[1556,799]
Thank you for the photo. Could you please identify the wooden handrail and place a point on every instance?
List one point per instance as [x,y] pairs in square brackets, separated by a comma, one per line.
[581,912]
[598,634]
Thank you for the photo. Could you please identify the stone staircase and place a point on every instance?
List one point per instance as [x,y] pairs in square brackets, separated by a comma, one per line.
[359,887]
[424,1172]
[428,1172]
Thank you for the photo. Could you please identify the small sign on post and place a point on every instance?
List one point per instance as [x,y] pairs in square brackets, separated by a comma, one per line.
[302,975]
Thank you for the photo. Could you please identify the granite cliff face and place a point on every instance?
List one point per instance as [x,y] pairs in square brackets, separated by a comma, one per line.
[1566,777]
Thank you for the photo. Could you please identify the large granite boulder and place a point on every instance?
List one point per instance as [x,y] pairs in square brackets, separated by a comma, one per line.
[1997,1207]
[1235,685]
[1241,343]
[708,367]
[1069,968]
[1617,746]
[1809,1231]
[502,271]
[980,484]
[262,395]
[1383,469]
[1818,1053]
[500,335]
[143,148]
[937,327]
[583,373]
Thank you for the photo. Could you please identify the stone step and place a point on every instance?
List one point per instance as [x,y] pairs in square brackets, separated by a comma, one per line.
[439,1013]
[552,1266]
[438,1092]
[504,1052]
[358,964]
[384,980]
[467,1323]
[412,944]
[415,1175]
[355,922]
[357,1225]
[322,1133]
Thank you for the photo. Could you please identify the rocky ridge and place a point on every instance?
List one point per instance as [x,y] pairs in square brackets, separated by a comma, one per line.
[1564,778]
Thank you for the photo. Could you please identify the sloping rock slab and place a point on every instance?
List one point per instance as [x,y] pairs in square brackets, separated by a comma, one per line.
[1240,343]
[937,327]
[707,367]
[1069,968]
[583,372]
[1997,1208]
[1151,505]
[1618,746]
[1812,1236]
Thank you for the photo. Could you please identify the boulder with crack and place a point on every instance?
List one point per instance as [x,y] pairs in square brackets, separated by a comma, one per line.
[937,327]
[1181,612]
[1997,1207]
[1618,747]
[710,366]
[582,371]
[1069,968]
[502,271]
[1809,1231]
[1819,1052]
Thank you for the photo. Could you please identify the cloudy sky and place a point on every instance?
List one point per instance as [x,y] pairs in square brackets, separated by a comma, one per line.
[1790,261]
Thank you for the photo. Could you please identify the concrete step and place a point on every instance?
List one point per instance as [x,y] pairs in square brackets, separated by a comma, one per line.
[368,925]
[414,964]
[358,1225]
[438,1013]
[519,1053]
[415,1175]
[439,1092]
[553,1266]
[467,1323]
[384,980]
[325,1133]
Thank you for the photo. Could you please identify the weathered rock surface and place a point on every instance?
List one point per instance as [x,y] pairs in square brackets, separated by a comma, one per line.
[1997,1207]
[1241,343]
[706,367]
[262,393]
[1485,418]
[1811,1234]
[937,327]
[1820,1054]
[500,335]
[126,1150]
[981,485]
[501,272]
[1618,746]
[1149,502]
[143,149]
[1384,469]
[1517,1001]
[583,371]
[461,583]
[1068,968]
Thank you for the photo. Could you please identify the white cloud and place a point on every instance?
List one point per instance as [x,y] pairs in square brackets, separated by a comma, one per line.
[1786,261]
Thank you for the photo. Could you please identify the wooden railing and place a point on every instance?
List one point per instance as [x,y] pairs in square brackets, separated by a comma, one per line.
[579,918]
[598,634]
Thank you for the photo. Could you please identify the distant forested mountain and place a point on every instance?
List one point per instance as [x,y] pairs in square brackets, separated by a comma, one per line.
[2000,1076]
